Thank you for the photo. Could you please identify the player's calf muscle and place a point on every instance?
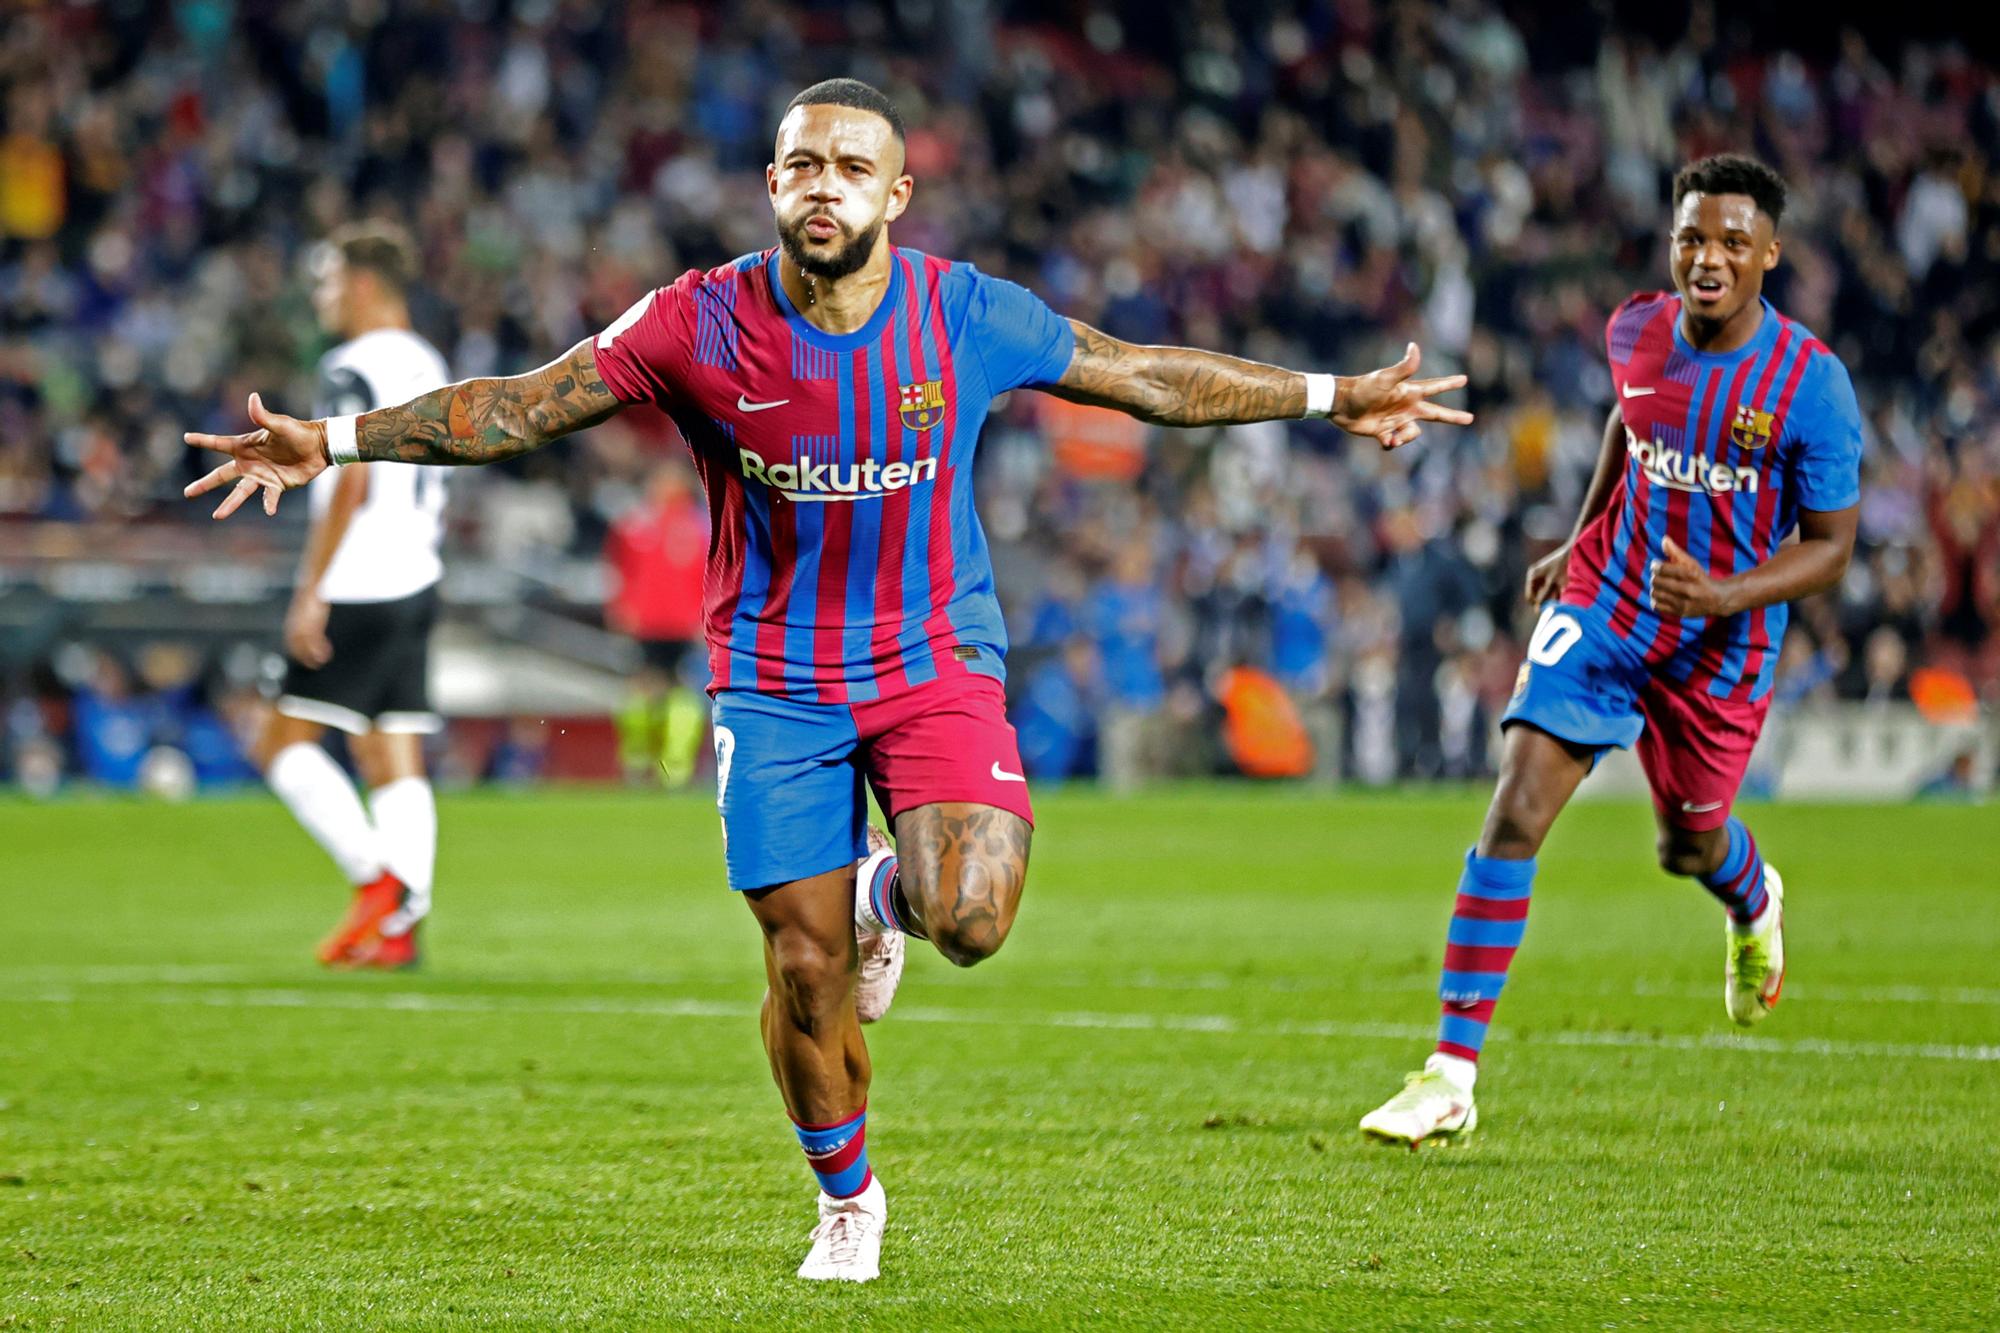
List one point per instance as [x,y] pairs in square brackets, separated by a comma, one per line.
[964,867]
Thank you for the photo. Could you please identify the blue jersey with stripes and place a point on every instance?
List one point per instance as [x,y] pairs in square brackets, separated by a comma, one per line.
[1722,452]
[846,559]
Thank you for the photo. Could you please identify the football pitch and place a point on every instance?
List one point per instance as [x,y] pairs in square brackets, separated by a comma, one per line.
[1141,1114]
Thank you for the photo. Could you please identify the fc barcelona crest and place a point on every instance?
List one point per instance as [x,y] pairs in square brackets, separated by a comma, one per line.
[923,404]
[1751,429]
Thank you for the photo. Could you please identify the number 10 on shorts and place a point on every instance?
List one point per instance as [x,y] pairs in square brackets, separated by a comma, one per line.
[1555,634]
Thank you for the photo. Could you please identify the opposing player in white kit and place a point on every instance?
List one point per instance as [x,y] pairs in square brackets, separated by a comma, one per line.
[358,632]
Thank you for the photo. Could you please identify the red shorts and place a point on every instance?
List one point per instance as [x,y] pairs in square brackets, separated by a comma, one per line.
[1695,749]
[947,740]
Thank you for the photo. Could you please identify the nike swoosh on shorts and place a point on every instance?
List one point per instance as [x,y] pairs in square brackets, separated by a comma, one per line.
[1002,775]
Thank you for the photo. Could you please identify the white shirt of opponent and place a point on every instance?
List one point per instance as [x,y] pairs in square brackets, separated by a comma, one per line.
[390,549]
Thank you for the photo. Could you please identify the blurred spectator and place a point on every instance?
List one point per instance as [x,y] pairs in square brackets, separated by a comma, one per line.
[521,756]
[1433,584]
[1124,616]
[1885,668]
[1056,715]
[657,551]
[113,728]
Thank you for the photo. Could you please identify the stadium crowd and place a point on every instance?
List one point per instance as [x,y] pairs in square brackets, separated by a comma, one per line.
[1310,184]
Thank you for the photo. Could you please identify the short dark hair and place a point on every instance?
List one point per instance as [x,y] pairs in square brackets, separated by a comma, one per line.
[1730,173]
[851,92]
[383,248]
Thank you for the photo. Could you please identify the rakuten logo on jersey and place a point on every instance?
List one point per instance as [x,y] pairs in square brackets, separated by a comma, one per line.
[808,482]
[1683,471]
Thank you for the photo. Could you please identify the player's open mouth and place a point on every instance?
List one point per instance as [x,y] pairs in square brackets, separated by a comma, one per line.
[1708,289]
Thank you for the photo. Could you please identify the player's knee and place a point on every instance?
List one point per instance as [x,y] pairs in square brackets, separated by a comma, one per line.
[812,978]
[368,766]
[965,943]
[1510,834]
[1683,855]
[974,924]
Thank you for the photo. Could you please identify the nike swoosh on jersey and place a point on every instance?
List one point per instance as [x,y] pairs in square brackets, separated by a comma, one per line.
[1689,807]
[1002,775]
[743,404]
[1633,391]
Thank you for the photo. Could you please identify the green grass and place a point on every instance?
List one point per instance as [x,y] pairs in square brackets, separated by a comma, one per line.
[1141,1114]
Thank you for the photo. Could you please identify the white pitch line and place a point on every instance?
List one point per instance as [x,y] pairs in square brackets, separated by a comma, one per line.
[424,1002]
[93,974]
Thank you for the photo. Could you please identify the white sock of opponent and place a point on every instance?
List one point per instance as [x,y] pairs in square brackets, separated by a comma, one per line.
[326,805]
[406,821]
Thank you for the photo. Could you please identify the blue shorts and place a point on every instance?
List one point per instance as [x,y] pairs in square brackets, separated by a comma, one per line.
[792,777]
[1585,684]
[1580,682]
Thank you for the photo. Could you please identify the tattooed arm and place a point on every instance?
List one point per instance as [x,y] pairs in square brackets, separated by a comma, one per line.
[475,421]
[484,421]
[1184,386]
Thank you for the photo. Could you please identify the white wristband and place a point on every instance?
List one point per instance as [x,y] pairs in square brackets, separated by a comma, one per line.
[341,446]
[1320,392]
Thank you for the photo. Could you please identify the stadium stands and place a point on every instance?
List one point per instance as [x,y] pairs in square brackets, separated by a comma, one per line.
[1311,186]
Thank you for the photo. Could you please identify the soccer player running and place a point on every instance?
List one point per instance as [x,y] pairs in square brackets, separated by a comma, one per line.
[831,390]
[357,634]
[1732,426]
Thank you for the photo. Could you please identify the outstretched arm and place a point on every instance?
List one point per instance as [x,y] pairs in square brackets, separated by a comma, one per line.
[484,421]
[1184,386]
[474,421]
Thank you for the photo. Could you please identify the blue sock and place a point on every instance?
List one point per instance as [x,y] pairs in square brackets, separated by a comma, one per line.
[1739,883]
[838,1154]
[1486,926]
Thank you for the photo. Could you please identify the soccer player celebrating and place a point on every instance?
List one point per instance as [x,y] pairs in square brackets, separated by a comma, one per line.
[831,390]
[1733,425]
[358,632]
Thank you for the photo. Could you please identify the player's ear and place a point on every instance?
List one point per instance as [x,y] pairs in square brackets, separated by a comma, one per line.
[899,197]
[1771,254]
[771,180]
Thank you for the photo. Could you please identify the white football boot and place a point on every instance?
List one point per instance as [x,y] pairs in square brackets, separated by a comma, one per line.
[1755,961]
[1430,1106]
[847,1243]
[881,948]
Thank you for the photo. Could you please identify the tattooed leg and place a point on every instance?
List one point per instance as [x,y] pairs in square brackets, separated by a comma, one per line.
[963,867]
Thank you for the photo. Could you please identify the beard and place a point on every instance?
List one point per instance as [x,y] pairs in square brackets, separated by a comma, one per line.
[828,265]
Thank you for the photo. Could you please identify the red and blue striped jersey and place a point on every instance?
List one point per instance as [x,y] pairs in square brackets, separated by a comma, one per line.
[846,562]
[1722,451]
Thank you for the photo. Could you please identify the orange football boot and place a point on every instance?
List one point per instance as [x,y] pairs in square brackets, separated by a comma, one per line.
[372,904]
[386,953]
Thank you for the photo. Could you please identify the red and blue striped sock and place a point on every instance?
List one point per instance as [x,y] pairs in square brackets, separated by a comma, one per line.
[1486,926]
[838,1154]
[881,906]
[882,878]
[1739,882]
